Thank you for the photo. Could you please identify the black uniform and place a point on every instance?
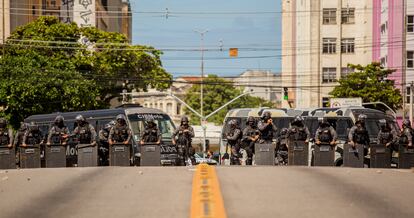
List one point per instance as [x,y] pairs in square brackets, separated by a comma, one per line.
[182,137]
[6,134]
[359,134]
[151,133]
[250,136]
[103,144]
[406,137]
[282,147]
[33,136]
[85,133]
[58,133]
[298,132]
[267,129]
[234,139]
[120,134]
[325,134]
[18,139]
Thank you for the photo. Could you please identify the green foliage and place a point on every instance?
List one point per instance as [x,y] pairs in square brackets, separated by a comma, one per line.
[45,68]
[371,84]
[217,92]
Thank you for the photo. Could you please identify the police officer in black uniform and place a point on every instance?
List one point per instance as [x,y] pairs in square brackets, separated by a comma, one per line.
[6,134]
[250,136]
[103,144]
[183,136]
[84,132]
[406,136]
[387,136]
[33,136]
[325,134]
[120,133]
[151,133]
[234,137]
[59,133]
[359,134]
[298,131]
[267,128]
[282,149]
[18,139]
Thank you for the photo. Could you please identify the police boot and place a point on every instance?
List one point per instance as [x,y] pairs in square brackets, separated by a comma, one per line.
[249,161]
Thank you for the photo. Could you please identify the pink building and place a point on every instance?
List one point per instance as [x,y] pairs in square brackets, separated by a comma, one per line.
[388,36]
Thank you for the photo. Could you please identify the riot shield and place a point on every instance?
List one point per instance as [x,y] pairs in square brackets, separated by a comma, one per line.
[7,158]
[30,156]
[380,156]
[264,154]
[55,156]
[406,157]
[324,155]
[298,153]
[150,154]
[119,154]
[71,152]
[87,155]
[353,157]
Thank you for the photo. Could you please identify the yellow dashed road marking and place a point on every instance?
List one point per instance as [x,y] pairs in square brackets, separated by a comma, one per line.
[206,199]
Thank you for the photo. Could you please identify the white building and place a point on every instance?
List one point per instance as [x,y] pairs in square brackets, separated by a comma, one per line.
[319,39]
[264,84]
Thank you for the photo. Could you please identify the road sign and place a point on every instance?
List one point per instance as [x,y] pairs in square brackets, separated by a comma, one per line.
[234,52]
[345,102]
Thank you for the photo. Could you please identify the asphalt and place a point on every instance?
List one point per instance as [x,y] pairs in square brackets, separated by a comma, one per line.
[166,192]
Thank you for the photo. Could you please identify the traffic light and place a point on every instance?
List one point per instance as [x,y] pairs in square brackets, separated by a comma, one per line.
[285,93]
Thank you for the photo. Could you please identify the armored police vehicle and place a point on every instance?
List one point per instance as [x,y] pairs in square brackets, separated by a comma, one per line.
[98,118]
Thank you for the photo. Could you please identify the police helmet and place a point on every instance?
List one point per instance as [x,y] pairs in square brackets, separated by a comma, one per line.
[284,131]
[184,119]
[120,118]
[80,119]
[406,123]
[3,123]
[362,117]
[266,115]
[298,119]
[110,125]
[233,123]
[59,120]
[250,119]
[33,126]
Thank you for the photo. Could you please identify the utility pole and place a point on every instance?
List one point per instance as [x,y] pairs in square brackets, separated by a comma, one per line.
[202,120]
[411,101]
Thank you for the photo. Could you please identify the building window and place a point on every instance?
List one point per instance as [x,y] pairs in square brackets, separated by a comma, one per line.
[178,109]
[348,16]
[384,61]
[410,59]
[329,46]
[329,16]
[169,108]
[383,28]
[345,71]
[328,74]
[348,45]
[410,24]
[33,10]
[325,102]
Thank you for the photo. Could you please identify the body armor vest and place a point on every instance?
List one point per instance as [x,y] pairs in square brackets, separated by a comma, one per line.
[120,133]
[404,137]
[56,137]
[4,138]
[385,137]
[299,133]
[85,135]
[360,135]
[183,138]
[33,138]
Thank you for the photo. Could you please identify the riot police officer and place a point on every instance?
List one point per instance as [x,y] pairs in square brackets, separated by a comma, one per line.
[298,131]
[325,134]
[282,147]
[386,135]
[234,137]
[250,136]
[267,128]
[120,133]
[84,132]
[6,134]
[33,135]
[103,151]
[18,139]
[406,134]
[183,136]
[359,134]
[59,133]
[151,133]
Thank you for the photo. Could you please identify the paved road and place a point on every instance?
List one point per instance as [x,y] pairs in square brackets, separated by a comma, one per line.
[247,192]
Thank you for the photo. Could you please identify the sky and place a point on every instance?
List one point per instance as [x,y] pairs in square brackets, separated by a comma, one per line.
[252,26]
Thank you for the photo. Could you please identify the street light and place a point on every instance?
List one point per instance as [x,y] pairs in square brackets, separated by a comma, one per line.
[202,33]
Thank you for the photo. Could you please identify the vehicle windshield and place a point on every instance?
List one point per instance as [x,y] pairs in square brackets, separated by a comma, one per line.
[163,121]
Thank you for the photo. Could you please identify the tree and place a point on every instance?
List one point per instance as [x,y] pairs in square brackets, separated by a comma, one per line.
[371,83]
[217,92]
[48,66]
